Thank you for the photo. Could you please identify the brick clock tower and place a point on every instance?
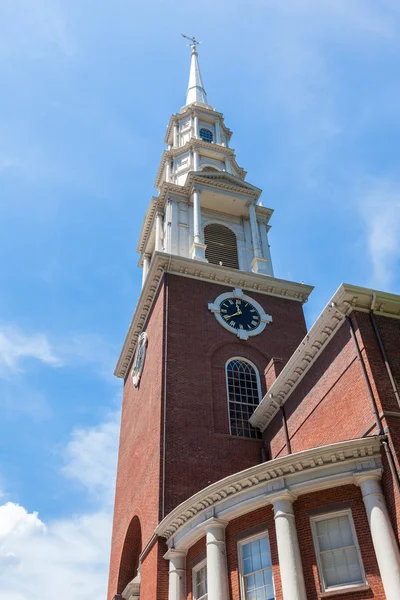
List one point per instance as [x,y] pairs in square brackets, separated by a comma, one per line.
[209,299]
[235,422]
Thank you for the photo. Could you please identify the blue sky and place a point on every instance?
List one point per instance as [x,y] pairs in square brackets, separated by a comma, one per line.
[311,92]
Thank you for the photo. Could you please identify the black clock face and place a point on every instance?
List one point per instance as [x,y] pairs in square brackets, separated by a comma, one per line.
[240,314]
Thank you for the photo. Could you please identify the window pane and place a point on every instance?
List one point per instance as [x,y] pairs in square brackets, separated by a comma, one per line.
[339,557]
[257,570]
[246,550]
[256,562]
[265,560]
[259,579]
[247,566]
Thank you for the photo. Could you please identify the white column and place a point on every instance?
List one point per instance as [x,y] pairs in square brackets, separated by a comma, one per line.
[177,575]
[168,170]
[291,569]
[195,160]
[146,265]
[217,132]
[228,167]
[265,248]
[217,569]
[196,216]
[385,544]
[159,228]
[175,134]
[196,126]
[198,248]
[258,264]
[254,230]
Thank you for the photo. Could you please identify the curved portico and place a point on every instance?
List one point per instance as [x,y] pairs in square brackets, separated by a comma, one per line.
[279,483]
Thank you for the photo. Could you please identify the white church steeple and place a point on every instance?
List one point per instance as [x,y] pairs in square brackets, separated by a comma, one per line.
[195,91]
[204,210]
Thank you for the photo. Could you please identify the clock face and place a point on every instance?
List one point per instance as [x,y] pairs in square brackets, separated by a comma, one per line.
[240,314]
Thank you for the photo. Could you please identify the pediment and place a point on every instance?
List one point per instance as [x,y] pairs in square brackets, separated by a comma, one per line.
[223,177]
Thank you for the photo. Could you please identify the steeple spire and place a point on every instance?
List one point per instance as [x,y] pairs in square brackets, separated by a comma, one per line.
[196,91]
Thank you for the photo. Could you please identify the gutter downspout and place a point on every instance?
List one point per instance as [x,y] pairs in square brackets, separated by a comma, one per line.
[286,431]
[386,442]
[378,421]
[383,352]
[365,376]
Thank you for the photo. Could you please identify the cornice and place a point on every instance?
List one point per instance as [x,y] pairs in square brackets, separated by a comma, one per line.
[346,299]
[192,144]
[296,474]
[193,109]
[187,267]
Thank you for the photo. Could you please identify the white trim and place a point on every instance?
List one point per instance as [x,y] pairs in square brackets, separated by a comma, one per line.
[215,308]
[240,544]
[195,571]
[326,517]
[246,360]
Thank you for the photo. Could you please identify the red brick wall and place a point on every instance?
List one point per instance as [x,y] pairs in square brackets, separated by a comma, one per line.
[330,404]
[198,445]
[137,491]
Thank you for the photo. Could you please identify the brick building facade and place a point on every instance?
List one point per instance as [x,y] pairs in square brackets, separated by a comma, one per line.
[257,460]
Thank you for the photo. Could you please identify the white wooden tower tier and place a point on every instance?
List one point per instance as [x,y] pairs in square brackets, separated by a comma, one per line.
[204,210]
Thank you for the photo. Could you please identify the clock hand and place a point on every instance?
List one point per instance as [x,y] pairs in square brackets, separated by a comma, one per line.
[234,315]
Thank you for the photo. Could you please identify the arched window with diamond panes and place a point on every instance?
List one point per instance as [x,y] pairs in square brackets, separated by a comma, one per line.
[206,135]
[221,246]
[244,394]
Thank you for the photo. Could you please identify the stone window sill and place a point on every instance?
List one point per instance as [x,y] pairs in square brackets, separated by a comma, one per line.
[348,589]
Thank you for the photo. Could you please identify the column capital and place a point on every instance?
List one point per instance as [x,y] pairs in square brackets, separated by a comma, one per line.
[173,553]
[361,479]
[284,494]
[215,523]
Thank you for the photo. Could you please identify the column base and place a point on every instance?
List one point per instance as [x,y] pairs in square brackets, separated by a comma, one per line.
[260,265]
[198,251]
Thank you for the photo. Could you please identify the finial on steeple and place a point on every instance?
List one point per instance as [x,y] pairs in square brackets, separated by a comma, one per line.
[196,91]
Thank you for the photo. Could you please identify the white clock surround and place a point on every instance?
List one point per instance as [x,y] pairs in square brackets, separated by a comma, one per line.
[215,308]
[139,358]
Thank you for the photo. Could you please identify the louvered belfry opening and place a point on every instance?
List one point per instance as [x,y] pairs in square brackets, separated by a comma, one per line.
[221,246]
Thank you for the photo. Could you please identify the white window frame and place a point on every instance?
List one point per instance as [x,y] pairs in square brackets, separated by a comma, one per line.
[246,360]
[242,577]
[343,586]
[195,571]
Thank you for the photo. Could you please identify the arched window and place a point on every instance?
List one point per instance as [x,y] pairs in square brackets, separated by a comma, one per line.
[209,170]
[221,246]
[206,135]
[243,396]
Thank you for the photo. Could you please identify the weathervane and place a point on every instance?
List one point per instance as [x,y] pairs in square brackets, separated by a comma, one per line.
[192,39]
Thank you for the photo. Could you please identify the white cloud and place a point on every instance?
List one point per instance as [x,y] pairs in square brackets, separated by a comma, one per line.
[91,457]
[78,350]
[64,558]
[380,209]
[16,346]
